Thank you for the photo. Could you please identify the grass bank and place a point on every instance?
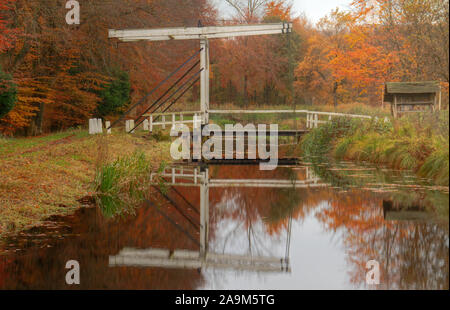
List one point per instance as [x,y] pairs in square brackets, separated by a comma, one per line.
[417,142]
[47,175]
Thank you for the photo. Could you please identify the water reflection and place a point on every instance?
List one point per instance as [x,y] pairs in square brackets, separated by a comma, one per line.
[239,227]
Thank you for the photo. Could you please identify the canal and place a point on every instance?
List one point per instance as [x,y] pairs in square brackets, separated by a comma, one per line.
[308,226]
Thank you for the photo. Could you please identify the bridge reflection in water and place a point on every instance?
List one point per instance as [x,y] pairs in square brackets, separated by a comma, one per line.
[282,229]
[198,177]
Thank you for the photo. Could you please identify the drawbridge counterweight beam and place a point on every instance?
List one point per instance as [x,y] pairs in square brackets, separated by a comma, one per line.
[197,33]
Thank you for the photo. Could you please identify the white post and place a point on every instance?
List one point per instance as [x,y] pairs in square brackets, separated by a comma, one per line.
[91,126]
[145,124]
[173,120]
[163,118]
[132,125]
[204,80]
[108,125]
[194,121]
[181,118]
[316,120]
[151,123]
[99,125]
[127,126]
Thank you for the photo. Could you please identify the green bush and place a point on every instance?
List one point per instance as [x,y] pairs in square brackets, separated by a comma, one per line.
[115,95]
[8,93]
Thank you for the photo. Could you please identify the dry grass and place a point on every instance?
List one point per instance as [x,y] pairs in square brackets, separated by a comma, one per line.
[45,176]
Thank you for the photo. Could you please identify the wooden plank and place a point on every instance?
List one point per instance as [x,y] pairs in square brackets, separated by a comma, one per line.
[170,113]
[286,111]
[416,103]
[180,33]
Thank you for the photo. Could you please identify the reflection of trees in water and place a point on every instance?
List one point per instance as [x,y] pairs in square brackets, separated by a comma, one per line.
[412,255]
[44,267]
[273,206]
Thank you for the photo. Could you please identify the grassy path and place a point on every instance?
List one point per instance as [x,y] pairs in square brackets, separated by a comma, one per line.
[48,175]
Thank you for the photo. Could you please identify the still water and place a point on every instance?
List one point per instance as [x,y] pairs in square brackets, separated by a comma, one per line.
[302,227]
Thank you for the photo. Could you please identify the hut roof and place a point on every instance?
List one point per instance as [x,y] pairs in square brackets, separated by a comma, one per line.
[412,87]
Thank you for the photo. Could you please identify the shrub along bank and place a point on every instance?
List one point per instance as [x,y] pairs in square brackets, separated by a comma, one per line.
[418,142]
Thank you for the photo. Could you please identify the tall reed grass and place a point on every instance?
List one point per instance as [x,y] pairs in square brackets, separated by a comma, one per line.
[419,143]
[123,184]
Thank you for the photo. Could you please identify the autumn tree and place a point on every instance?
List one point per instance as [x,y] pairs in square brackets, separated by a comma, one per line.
[6,34]
[352,54]
[8,93]
[252,70]
[68,73]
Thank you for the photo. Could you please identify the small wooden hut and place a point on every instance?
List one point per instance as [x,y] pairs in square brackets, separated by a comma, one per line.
[407,97]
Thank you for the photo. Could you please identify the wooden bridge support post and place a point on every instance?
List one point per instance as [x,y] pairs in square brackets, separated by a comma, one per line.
[204,81]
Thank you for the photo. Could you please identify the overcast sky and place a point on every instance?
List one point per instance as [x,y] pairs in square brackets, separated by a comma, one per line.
[314,9]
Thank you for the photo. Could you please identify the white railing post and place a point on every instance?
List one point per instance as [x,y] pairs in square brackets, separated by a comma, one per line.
[91,126]
[132,125]
[316,120]
[194,121]
[151,123]
[181,117]
[108,129]
[145,124]
[173,120]
[163,118]
[99,125]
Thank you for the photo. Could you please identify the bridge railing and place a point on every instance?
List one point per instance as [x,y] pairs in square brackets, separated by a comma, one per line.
[172,118]
[312,117]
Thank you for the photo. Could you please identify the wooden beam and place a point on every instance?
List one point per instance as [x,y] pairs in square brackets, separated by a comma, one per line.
[193,260]
[191,33]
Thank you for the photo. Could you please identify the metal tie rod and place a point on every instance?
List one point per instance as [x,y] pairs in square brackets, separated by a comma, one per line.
[176,99]
[173,94]
[155,88]
[166,92]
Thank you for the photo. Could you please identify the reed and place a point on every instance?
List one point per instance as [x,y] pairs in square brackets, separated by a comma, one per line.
[418,143]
